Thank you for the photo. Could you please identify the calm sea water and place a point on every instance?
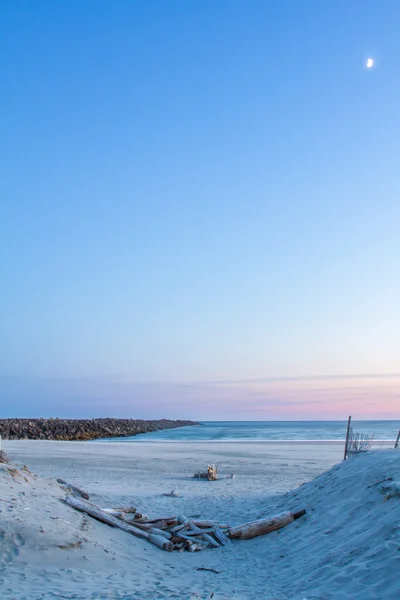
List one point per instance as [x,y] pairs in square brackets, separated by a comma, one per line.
[271,430]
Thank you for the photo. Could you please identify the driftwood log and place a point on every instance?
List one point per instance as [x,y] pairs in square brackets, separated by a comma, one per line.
[96,512]
[253,529]
[124,509]
[74,489]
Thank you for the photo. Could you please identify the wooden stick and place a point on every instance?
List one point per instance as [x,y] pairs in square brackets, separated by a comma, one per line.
[74,489]
[207,523]
[140,517]
[161,519]
[178,527]
[208,530]
[347,439]
[161,523]
[195,541]
[221,537]
[398,440]
[210,540]
[253,529]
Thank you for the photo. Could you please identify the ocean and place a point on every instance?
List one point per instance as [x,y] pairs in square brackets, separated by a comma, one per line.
[270,430]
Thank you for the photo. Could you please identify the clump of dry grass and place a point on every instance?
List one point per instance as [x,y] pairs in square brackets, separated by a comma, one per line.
[3,457]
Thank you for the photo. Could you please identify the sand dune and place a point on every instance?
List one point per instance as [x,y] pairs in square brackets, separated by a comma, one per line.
[346,547]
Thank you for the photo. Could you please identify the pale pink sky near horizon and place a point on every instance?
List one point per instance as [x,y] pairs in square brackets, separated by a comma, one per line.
[320,398]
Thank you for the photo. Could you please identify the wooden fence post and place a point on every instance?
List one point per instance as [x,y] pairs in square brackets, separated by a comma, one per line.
[397,441]
[347,439]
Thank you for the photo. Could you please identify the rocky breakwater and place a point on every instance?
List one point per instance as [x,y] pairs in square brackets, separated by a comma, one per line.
[81,429]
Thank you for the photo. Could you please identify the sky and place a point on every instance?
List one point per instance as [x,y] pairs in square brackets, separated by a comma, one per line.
[200,209]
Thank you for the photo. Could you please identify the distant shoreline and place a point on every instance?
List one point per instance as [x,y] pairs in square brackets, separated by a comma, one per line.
[83,429]
[335,442]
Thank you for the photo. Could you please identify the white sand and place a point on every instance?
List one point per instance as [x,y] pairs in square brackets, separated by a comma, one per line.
[347,546]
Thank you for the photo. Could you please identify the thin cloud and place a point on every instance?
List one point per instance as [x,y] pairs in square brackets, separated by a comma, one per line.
[299,378]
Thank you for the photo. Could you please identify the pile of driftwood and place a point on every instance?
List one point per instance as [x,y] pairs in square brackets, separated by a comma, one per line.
[211,474]
[179,532]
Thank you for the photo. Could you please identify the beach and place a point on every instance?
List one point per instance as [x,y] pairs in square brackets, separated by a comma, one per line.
[338,550]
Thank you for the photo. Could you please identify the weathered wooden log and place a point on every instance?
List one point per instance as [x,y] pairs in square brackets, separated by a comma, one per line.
[179,546]
[154,530]
[123,509]
[74,489]
[263,526]
[159,519]
[194,547]
[176,540]
[118,515]
[221,537]
[161,542]
[208,530]
[201,543]
[179,527]
[161,524]
[140,517]
[96,512]
[210,540]
[162,532]
[208,523]
[182,519]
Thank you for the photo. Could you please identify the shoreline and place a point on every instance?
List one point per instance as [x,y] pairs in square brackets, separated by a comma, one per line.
[231,441]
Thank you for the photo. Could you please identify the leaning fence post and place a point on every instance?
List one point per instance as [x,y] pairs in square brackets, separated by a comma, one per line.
[347,439]
[397,441]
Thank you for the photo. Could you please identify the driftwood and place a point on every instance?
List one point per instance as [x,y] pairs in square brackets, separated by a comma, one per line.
[211,570]
[96,512]
[173,494]
[211,474]
[3,457]
[180,532]
[74,489]
[128,514]
[263,526]
[207,523]
[124,509]
[161,542]
[221,537]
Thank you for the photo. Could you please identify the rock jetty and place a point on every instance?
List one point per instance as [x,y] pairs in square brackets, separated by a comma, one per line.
[81,429]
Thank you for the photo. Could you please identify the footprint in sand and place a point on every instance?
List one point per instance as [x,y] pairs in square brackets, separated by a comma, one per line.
[13,550]
[6,557]
[18,539]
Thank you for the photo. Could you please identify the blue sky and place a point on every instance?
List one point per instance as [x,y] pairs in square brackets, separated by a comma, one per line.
[200,208]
